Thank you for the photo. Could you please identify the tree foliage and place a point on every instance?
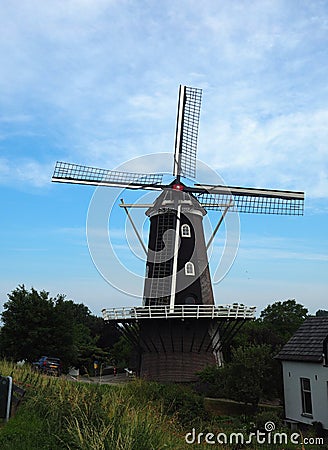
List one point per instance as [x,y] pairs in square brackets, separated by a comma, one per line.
[122,353]
[35,324]
[284,318]
[275,326]
[251,372]
[251,375]
[28,320]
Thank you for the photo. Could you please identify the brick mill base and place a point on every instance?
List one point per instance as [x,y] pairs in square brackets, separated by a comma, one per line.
[175,350]
[174,367]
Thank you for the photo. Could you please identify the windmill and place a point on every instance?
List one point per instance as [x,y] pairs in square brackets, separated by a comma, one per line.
[179,330]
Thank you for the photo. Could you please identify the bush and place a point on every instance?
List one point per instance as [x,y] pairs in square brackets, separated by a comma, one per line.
[211,382]
[176,400]
[263,417]
[250,375]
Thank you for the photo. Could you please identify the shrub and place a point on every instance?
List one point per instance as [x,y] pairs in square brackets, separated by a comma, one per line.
[263,417]
[176,400]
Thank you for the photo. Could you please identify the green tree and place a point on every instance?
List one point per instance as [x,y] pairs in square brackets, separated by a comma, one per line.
[92,338]
[34,324]
[27,324]
[254,332]
[252,352]
[251,374]
[248,377]
[122,353]
[275,326]
[284,318]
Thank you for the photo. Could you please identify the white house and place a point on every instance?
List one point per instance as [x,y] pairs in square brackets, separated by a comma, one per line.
[305,373]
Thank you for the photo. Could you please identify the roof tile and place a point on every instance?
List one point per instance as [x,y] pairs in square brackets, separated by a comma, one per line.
[307,343]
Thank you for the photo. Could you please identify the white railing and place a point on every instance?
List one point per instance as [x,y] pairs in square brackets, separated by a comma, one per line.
[234,311]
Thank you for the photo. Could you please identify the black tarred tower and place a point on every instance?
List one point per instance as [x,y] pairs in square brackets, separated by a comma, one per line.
[179,330]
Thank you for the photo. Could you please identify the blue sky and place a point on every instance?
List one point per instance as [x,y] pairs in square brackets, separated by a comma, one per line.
[96,83]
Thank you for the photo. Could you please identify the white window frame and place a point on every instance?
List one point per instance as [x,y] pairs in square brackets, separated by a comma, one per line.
[189,269]
[307,407]
[185,230]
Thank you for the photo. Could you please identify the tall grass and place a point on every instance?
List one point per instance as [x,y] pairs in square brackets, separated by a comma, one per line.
[57,414]
[60,414]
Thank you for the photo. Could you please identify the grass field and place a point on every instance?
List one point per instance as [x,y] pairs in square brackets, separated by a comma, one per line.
[60,414]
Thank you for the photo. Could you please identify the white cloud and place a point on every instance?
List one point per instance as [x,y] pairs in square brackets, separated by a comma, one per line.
[102,76]
[277,247]
[25,172]
[287,151]
[281,254]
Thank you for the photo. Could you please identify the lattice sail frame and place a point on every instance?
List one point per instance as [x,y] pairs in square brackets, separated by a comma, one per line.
[251,200]
[74,173]
[187,132]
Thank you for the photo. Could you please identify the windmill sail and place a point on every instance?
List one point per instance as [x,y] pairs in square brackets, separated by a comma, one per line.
[187,132]
[74,173]
[250,200]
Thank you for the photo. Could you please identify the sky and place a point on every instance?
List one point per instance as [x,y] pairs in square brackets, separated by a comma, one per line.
[95,82]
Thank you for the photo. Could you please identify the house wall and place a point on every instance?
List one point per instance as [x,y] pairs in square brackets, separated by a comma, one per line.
[318,374]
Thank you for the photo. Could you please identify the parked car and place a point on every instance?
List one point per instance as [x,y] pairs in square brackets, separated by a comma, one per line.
[48,365]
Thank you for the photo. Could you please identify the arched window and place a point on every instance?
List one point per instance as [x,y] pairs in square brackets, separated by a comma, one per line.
[189,269]
[185,230]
